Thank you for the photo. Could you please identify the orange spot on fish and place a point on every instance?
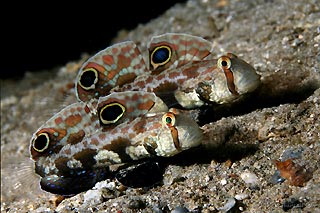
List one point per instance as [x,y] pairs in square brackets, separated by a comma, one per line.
[58,120]
[96,66]
[111,74]
[115,51]
[102,136]
[86,109]
[73,120]
[125,129]
[108,59]
[127,48]
[125,61]
[146,105]
[94,141]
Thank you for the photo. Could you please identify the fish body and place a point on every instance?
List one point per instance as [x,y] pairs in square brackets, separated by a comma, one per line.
[75,148]
[180,71]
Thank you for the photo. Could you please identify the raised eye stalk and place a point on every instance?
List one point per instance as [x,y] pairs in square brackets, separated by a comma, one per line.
[169,119]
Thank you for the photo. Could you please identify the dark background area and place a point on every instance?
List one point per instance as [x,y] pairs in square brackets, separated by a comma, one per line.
[42,37]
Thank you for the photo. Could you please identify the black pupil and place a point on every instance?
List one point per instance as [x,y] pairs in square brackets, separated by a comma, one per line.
[224,63]
[168,120]
[40,142]
[87,78]
[111,113]
[160,55]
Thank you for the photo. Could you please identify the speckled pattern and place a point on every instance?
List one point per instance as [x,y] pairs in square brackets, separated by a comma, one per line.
[236,168]
[181,70]
[116,65]
[75,148]
[72,153]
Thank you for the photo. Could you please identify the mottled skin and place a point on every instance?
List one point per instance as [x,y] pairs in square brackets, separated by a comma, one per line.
[80,120]
[69,126]
[73,150]
[184,49]
[134,103]
[76,167]
[201,82]
[180,72]
[116,65]
[121,63]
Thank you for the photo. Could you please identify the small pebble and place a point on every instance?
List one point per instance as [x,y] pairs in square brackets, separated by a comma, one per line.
[292,203]
[249,178]
[241,196]
[291,153]
[223,182]
[276,178]
[180,209]
[92,197]
[231,202]
[43,210]
[105,184]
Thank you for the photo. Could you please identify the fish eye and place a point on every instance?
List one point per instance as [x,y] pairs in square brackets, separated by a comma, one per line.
[88,78]
[160,56]
[111,113]
[224,62]
[41,142]
[169,119]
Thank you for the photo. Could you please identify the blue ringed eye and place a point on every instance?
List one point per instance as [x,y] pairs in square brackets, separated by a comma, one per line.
[160,55]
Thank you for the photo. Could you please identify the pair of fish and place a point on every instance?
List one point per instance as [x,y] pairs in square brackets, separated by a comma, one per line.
[123,114]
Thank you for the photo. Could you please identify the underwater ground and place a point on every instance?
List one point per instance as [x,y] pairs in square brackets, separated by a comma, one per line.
[262,155]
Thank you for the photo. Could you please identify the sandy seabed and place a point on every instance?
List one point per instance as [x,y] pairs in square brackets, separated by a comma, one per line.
[237,173]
